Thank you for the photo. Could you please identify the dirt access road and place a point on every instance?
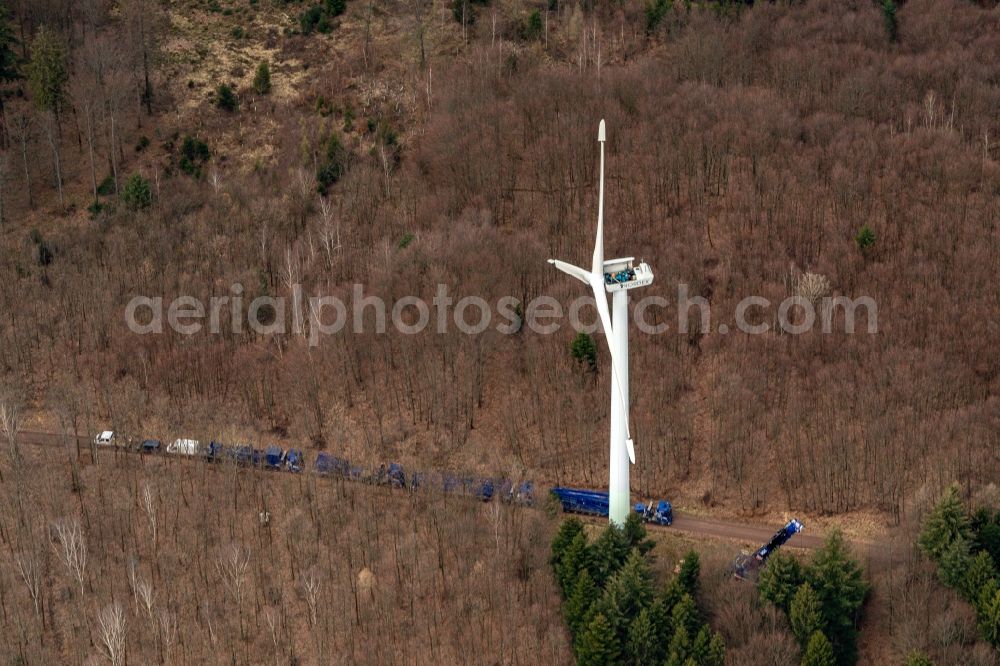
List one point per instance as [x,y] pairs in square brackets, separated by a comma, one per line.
[747,534]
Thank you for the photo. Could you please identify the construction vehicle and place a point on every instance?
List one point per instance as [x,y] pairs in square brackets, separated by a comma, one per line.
[747,566]
[595,503]
[660,514]
[295,460]
[484,489]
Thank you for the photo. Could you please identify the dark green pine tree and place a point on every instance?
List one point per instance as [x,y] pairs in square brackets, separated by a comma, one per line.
[988,539]
[954,563]
[981,570]
[577,556]
[8,59]
[563,538]
[633,584]
[890,20]
[642,643]
[580,602]
[988,612]
[699,648]
[584,351]
[946,522]
[805,614]
[819,651]
[597,645]
[608,554]
[659,615]
[8,63]
[716,651]
[685,614]
[838,582]
[986,595]
[679,649]
[689,573]
[635,534]
[780,579]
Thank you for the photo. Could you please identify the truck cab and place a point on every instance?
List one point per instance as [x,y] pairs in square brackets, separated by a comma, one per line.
[295,460]
[662,513]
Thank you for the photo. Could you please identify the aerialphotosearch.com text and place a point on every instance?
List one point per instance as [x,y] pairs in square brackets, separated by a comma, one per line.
[315,317]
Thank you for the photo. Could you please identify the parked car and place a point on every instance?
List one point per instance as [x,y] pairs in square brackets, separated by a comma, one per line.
[105,438]
[150,446]
[184,447]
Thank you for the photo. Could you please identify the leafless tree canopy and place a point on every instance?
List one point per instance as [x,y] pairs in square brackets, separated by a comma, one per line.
[738,146]
[364,573]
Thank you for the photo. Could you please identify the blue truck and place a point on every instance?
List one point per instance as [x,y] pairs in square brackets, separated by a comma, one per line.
[748,565]
[595,503]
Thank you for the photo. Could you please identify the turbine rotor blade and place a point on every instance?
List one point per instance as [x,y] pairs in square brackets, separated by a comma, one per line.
[570,269]
[597,264]
[597,284]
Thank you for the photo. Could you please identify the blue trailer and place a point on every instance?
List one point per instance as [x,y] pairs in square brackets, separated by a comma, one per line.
[595,503]
[587,502]
[273,457]
[748,565]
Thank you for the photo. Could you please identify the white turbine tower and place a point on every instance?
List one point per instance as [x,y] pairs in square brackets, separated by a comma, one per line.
[616,276]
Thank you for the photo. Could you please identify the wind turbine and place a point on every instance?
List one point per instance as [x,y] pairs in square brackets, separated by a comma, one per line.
[615,276]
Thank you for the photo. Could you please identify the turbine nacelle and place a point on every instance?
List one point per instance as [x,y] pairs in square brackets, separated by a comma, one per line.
[621,274]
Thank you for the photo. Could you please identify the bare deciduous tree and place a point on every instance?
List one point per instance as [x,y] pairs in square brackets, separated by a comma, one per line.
[311,583]
[29,569]
[149,506]
[10,423]
[111,626]
[168,632]
[21,129]
[71,546]
[147,595]
[233,566]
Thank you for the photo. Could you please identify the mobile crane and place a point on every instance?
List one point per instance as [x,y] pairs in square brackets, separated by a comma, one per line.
[748,565]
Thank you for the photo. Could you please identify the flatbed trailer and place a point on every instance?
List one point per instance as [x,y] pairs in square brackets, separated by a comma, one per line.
[595,503]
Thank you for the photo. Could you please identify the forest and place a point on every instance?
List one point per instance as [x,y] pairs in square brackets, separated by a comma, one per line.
[209,148]
[470,159]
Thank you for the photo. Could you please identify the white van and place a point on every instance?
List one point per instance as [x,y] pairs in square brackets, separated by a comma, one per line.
[184,447]
[106,438]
